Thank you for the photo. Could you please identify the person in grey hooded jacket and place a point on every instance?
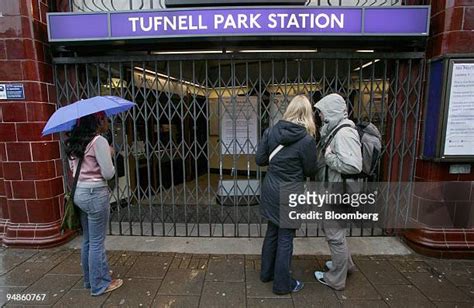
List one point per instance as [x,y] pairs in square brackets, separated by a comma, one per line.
[342,156]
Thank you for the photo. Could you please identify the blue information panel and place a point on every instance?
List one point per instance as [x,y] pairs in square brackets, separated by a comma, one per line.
[12,91]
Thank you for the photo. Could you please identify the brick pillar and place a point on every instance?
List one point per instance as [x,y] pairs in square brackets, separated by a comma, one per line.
[32,169]
[452,31]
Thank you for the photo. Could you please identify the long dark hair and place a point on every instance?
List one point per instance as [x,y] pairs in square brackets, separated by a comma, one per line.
[80,136]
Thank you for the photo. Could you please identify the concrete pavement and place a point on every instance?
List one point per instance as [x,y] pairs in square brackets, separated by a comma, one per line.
[166,279]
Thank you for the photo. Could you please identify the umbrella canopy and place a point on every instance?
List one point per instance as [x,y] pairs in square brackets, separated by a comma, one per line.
[65,117]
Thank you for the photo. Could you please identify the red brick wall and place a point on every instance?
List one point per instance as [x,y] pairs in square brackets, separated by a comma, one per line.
[31,189]
[452,22]
[452,31]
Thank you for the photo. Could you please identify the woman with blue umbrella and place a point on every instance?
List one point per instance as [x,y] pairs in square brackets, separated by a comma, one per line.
[90,154]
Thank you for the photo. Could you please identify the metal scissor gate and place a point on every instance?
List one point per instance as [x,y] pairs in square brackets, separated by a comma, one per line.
[185,155]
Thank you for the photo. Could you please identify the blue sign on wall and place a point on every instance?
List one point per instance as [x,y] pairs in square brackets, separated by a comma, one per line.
[12,91]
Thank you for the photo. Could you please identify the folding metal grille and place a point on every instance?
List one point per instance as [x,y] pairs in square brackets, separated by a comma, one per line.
[185,155]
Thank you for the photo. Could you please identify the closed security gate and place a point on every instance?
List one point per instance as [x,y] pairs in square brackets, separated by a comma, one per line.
[185,156]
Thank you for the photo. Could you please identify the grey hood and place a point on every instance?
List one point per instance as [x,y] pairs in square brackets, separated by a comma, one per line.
[345,156]
[334,110]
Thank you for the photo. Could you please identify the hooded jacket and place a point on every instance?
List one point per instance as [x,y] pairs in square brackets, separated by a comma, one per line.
[345,156]
[292,164]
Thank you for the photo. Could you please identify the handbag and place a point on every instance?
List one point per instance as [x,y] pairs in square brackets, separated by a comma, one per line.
[71,219]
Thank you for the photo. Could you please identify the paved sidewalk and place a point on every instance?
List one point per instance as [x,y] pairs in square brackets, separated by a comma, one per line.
[188,280]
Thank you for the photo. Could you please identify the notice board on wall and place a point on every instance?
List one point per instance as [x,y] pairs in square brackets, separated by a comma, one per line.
[459,131]
[449,115]
[457,141]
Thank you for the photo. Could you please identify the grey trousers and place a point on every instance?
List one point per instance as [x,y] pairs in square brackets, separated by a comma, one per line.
[341,258]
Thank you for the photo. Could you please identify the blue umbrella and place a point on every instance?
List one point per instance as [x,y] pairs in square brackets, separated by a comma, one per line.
[65,117]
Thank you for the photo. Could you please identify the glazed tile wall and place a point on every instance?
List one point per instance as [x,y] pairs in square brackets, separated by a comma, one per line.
[31,174]
[452,25]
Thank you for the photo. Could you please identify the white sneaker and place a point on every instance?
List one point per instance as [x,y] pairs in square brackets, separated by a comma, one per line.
[320,277]
[328,264]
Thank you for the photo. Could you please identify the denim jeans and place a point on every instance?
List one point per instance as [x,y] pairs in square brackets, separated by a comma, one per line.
[95,211]
[277,251]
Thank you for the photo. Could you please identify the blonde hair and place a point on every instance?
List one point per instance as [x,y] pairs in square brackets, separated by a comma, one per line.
[299,112]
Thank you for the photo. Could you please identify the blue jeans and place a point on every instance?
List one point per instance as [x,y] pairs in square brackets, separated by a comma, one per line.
[277,251]
[95,211]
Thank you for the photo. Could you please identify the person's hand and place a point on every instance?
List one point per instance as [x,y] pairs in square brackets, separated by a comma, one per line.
[112,151]
[328,150]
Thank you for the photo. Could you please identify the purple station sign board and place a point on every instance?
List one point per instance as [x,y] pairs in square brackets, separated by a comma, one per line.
[264,21]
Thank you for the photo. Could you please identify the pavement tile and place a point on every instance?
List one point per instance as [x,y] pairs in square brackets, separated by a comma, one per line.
[358,287]
[25,274]
[194,263]
[182,282]
[249,265]
[177,262]
[119,271]
[226,270]
[54,255]
[70,266]
[9,290]
[176,301]
[79,285]
[122,258]
[14,257]
[252,257]
[380,272]
[410,266]
[365,304]
[444,266]
[403,296]
[453,305]
[135,292]
[270,302]
[256,288]
[360,257]
[217,256]
[53,287]
[81,298]
[223,294]
[303,269]
[203,264]
[240,257]
[461,279]
[185,261]
[437,288]
[469,290]
[150,267]
[315,295]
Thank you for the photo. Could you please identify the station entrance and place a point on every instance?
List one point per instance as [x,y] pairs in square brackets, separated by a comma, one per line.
[185,155]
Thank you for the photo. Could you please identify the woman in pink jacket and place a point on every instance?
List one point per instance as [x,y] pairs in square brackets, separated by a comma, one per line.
[92,197]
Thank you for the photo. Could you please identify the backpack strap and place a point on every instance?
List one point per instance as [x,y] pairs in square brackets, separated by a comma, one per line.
[332,134]
[326,143]
[275,151]
[76,178]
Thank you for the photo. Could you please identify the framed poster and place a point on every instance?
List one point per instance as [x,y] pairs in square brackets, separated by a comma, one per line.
[457,135]
[239,125]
